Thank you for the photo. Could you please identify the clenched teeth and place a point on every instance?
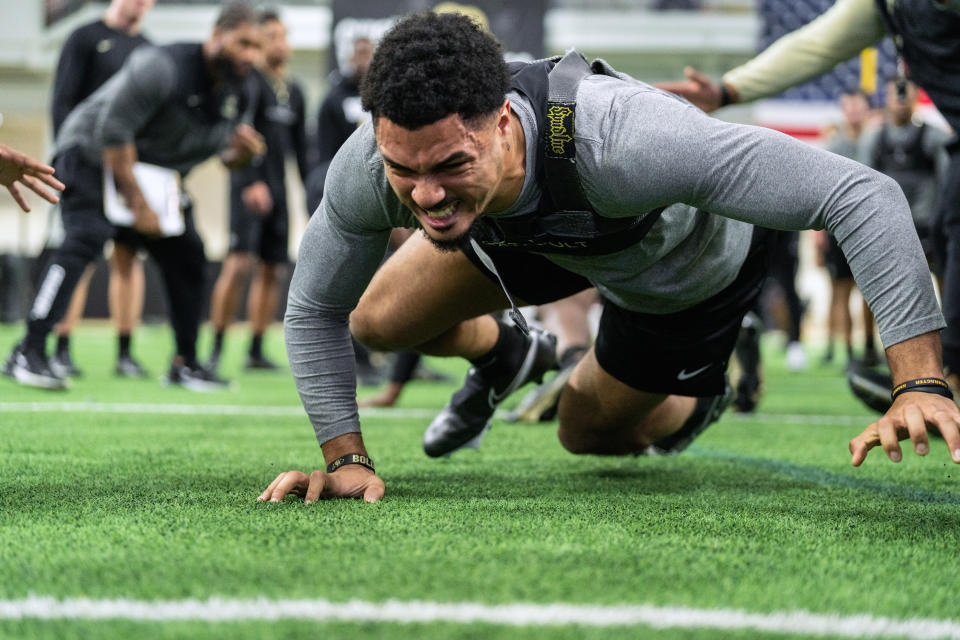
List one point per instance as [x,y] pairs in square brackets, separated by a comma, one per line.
[446,212]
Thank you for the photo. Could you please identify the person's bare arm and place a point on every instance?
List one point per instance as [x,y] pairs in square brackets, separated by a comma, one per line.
[20,169]
[120,161]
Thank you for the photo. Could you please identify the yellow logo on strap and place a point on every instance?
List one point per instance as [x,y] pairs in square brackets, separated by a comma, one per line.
[561,120]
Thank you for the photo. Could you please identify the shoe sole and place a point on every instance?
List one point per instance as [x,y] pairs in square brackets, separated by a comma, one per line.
[541,399]
[30,379]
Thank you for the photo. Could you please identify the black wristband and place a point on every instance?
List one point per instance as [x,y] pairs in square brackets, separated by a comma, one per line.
[724,94]
[351,458]
[925,385]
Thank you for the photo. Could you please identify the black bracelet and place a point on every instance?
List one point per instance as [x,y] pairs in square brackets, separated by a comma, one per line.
[925,385]
[724,95]
[351,458]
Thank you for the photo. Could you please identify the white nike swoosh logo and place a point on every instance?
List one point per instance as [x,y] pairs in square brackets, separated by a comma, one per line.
[683,375]
[494,399]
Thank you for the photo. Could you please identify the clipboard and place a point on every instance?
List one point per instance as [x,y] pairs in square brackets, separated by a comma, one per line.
[161,189]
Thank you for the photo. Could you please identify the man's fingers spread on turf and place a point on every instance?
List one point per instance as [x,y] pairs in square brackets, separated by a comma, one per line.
[273,485]
[375,490]
[315,488]
[888,438]
[290,483]
[917,426]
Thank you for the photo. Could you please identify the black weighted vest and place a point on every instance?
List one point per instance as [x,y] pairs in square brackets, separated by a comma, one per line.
[564,221]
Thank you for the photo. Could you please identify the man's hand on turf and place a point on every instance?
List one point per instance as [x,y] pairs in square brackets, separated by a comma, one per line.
[350,481]
[912,412]
[908,417]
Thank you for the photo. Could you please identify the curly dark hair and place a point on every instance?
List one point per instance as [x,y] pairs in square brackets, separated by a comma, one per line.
[429,66]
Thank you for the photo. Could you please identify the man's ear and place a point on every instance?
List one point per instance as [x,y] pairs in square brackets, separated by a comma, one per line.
[503,116]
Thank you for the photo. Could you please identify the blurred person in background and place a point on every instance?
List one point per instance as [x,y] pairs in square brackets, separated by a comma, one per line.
[845,141]
[18,169]
[89,57]
[534,181]
[168,109]
[913,153]
[925,33]
[258,201]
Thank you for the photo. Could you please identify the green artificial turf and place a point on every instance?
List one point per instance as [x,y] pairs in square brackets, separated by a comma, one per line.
[762,513]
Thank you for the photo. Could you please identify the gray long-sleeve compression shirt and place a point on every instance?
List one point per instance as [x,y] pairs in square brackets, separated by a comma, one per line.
[638,149]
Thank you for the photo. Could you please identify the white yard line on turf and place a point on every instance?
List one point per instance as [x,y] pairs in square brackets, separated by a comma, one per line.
[294,411]
[193,409]
[225,610]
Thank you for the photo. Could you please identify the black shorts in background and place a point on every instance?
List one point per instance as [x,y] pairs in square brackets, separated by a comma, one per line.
[263,236]
[835,262]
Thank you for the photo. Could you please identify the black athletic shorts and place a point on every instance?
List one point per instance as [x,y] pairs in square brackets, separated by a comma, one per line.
[683,353]
[262,236]
[129,237]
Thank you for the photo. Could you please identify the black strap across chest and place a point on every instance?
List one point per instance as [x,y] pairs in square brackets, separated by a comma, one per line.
[564,221]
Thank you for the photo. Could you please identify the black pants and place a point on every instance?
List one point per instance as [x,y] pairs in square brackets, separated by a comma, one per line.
[782,267]
[950,215]
[181,258]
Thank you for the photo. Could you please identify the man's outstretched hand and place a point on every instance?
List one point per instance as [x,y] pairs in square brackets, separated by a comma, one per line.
[349,481]
[19,169]
[908,417]
[699,89]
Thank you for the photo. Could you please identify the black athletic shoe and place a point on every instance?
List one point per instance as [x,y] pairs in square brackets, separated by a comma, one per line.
[871,386]
[468,413]
[32,368]
[259,363]
[62,366]
[194,378]
[127,367]
[706,412]
[540,405]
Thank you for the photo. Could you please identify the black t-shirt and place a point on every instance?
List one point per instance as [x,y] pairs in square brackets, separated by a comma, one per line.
[340,115]
[281,119]
[89,57]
